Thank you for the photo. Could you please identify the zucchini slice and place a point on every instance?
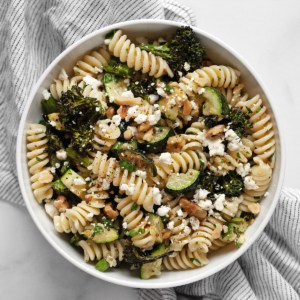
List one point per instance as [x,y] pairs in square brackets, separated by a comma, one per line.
[114,86]
[118,146]
[151,269]
[138,160]
[159,141]
[75,183]
[156,227]
[215,103]
[101,234]
[181,183]
[168,108]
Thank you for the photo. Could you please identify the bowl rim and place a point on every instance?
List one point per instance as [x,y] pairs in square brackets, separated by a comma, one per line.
[147,284]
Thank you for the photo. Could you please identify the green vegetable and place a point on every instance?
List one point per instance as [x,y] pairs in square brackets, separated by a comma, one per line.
[159,140]
[110,34]
[75,239]
[66,166]
[102,265]
[117,68]
[151,269]
[78,114]
[232,184]
[169,109]
[134,207]
[239,122]
[49,106]
[181,183]
[127,165]
[183,48]
[70,179]
[114,86]
[101,234]
[143,86]
[78,158]
[134,232]
[169,89]
[135,160]
[215,102]
[118,146]
[156,227]
[107,222]
[235,228]
[59,187]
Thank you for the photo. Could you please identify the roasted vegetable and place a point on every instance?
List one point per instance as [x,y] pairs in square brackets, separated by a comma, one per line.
[117,68]
[184,53]
[78,114]
[49,106]
[143,86]
[209,181]
[239,122]
[232,184]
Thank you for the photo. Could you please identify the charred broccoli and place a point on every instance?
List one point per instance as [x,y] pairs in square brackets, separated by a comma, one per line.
[183,53]
[232,184]
[143,87]
[239,122]
[78,114]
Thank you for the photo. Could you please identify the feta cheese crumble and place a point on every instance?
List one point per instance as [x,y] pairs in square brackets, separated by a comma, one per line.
[243,170]
[141,118]
[156,196]
[141,173]
[163,210]
[161,92]
[165,158]
[124,225]
[219,203]
[153,98]
[89,80]
[116,120]
[61,154]
[233,139]
[132,112]
[216,147]
[206,204]
[170,225]
[201,91]
[187,66]
[201,194]
[46,94]
[179,212]
[250,183]
[195,223]
[153,119]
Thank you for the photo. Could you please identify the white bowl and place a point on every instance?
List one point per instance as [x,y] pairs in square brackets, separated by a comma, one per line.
[220,53]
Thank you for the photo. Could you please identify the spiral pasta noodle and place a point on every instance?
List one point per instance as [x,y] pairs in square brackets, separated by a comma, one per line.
[215,76]
[193,136]
[61,86]
[136,58]
[92,63]
[93,251]
[262,129]
[76,218]
[109,169]
[185,259]
[38,159]
[106,134]
[181,162]
[234,95]
[203,239]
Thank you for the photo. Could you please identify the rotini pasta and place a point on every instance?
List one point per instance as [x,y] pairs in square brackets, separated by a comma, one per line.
[150,154]
[120,46]
[37,155]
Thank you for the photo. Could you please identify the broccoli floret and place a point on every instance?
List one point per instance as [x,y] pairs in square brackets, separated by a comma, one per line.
[232,184]
[143,86]
[117,68]
[213,120]
[183,48]
[49,106]
[239,122]
[209,181]
[78,114]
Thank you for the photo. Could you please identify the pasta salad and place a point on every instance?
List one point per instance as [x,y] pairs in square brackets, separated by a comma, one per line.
[149,155]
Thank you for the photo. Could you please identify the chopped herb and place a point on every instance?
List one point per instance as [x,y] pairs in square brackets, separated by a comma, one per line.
[238,155]
[168,88]
[202,164]
[249,110]
[134,207]
[75,239]
[107,222]
[192,259]
[127,165]
[38,159]
[97,229]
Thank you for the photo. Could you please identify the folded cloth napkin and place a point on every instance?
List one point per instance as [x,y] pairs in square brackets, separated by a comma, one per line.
[269,270]
[32,34]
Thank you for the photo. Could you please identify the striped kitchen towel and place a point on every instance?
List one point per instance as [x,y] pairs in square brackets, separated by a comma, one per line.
[32,34]
[269,270]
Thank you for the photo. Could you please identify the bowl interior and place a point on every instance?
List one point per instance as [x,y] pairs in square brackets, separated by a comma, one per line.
[220,54]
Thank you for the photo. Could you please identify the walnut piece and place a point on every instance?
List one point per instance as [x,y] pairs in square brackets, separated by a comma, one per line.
[192,209]
[61,204]
[175,143]
[214,132]
[109,211]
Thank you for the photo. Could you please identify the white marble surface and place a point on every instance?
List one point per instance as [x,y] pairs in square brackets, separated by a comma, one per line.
[266,33]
